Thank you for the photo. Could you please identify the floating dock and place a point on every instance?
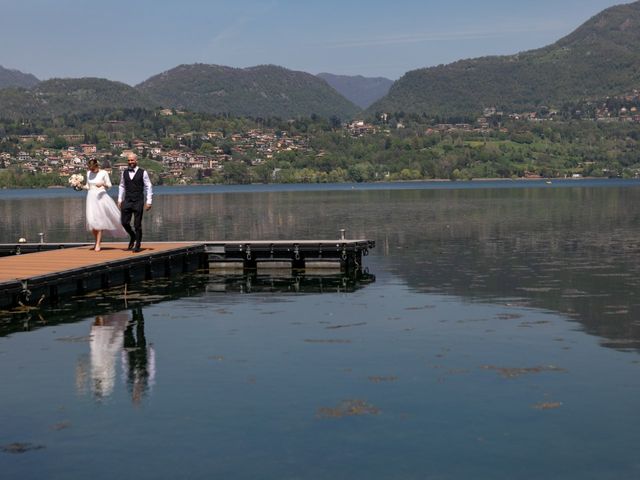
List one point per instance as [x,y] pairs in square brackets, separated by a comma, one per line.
[33,273]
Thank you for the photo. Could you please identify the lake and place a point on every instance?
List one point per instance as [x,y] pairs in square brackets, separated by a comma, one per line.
[494,333]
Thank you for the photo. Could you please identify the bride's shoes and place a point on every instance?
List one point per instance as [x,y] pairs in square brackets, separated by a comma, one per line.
[97,249]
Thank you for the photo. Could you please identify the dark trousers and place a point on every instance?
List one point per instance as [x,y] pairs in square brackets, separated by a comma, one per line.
[136,347]
[136,210]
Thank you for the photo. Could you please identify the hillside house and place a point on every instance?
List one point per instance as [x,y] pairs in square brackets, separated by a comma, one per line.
[118,144]
[23,157]
[120,166]
[88,148]
[34,138]
[139,145]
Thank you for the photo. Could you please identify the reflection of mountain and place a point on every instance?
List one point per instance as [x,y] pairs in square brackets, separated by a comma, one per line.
[54,217]
[215,216]
[573,251]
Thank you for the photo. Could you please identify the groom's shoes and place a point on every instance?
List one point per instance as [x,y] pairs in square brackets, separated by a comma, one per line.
[137,248]
[131,244]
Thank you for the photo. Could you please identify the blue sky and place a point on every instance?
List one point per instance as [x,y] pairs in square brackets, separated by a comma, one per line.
[131,40]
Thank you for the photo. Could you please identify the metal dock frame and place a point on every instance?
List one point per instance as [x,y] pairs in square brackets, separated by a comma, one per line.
[344,255]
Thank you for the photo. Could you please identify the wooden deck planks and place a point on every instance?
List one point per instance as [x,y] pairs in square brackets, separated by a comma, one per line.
[21,267]
[73,258]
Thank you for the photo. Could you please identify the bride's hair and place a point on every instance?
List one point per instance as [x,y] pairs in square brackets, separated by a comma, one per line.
[93,163]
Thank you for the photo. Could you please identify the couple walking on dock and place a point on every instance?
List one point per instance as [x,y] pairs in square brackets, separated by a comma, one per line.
[135,194]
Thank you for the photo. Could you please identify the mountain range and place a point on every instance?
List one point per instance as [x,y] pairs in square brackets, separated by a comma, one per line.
[360,90]
[56,97]
[601,58]
[15,78]
[262,91]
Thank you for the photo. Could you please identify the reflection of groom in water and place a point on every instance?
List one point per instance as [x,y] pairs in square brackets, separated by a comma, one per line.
[121,335]
[138,358]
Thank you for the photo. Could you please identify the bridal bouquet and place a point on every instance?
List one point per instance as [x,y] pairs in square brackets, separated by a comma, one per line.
[75,181]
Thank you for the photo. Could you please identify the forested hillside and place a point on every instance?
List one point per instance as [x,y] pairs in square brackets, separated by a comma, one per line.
[600,58]
[262,91]
[15,78]
[58,97]
[362,91]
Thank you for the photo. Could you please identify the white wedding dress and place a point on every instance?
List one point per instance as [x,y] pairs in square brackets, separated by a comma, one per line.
[102,211]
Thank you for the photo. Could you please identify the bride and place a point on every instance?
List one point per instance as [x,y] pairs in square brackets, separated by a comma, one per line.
[103,215]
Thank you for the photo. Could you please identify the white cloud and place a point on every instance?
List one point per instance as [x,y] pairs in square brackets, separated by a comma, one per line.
[235,30]
[434,36]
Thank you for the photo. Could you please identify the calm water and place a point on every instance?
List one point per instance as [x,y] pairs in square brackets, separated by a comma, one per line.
[495,334]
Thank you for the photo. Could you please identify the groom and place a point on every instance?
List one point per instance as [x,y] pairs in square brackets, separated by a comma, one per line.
[135,185]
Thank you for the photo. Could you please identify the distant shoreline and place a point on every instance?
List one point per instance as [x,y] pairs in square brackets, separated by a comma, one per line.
[380,182]
[221,189]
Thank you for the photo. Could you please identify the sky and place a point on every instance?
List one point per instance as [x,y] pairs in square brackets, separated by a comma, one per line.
[132,40]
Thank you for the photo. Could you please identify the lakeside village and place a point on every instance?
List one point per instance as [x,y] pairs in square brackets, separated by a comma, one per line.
[179,165]
[182,165]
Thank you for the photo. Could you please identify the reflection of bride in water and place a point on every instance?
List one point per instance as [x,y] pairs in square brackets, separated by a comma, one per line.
[113,335]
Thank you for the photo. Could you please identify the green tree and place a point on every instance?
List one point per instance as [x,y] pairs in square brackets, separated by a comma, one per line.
[236,172]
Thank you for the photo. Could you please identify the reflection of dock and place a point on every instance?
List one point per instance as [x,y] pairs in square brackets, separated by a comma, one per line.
[33,273]
[301,282]
[115,299]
